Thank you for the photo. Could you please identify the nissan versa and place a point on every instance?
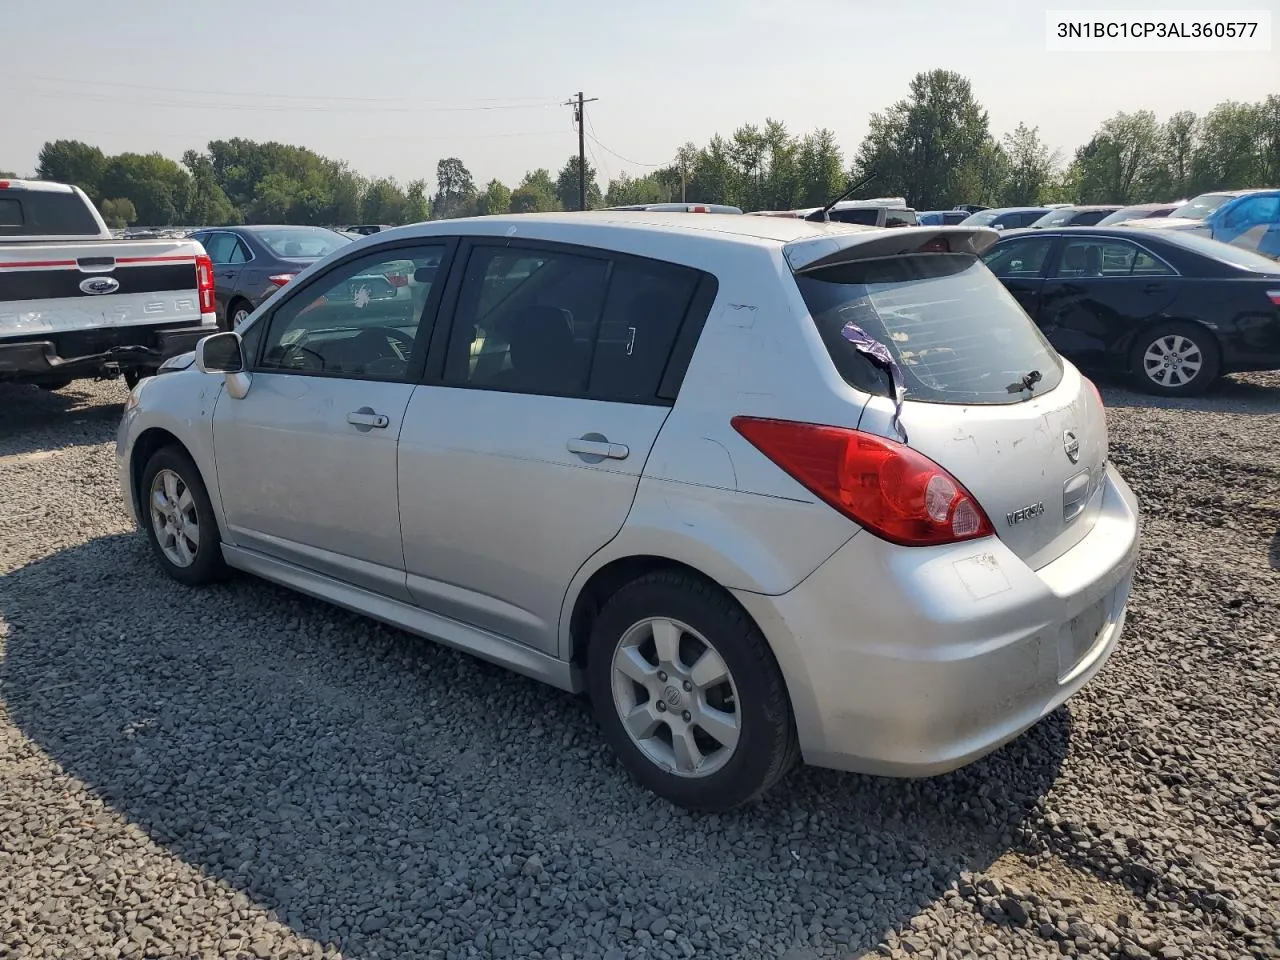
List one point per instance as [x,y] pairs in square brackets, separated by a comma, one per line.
[766,489]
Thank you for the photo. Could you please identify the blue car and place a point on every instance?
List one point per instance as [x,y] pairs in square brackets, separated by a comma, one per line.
[1243,218]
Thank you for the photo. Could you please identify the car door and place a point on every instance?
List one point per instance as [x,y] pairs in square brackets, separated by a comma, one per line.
[1099,292]
[521,453]
[1020,263]
[306,460]
[228,258]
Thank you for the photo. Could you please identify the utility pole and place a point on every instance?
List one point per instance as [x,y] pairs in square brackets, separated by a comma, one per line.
[580,116]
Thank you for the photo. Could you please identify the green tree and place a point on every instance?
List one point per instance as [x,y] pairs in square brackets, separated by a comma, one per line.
[820,166]
[160,188]
[1123,161]
[118,213]
[416,206]
[624,190]
[535,194]
[208,204]
[568,190]
[925,146]
[1179,137]
[75,162]
[1229,155]
[274,196]
[384,202]
[495,199]
[455,190]
[1029,168]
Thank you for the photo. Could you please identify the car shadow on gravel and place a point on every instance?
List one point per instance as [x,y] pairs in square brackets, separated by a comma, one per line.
[34,420]
[1241,394]
[387,796]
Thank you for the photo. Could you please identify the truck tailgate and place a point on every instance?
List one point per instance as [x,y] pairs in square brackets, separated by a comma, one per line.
[49,288]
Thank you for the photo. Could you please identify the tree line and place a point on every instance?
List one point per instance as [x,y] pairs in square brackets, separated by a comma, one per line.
[934,147]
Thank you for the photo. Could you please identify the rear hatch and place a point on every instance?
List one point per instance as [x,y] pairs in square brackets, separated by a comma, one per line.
[986,397]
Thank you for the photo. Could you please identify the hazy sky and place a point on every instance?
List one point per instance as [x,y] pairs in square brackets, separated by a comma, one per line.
[393,85]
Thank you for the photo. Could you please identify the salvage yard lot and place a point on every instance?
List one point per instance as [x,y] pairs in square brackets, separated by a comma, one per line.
[241,771]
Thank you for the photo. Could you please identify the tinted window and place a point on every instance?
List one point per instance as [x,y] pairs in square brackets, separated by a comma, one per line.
[38,213]
[1055,218]
[864,216]
[526,320]
[894,217]
[643,310]
[1087,218]
[958,335]
[1223,253]
[1107,258]
[1022,257]
[954,217]
[305,243]
[1024,219]
[240,254]
[361,320]
[221,247]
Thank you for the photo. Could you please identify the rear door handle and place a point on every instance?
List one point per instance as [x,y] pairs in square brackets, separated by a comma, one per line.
[1153,288]
[367,418]
[594,447]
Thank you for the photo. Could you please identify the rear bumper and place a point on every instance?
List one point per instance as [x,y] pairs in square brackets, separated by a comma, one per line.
[86,353]
[916,661]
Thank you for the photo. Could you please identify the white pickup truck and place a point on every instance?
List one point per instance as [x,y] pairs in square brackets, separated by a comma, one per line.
[76,303]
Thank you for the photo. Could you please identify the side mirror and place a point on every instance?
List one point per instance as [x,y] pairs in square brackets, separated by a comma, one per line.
[220,353]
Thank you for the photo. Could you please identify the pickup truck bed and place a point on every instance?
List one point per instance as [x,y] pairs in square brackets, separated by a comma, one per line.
[79,307]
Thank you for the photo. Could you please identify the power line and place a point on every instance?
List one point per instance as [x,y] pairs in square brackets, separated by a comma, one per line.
[636,163]
[282,108]
[259,95]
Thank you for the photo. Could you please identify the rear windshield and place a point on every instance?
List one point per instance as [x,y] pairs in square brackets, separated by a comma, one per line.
[863,216]
[955,331]
[302,242]
[1224,252]
[42,213]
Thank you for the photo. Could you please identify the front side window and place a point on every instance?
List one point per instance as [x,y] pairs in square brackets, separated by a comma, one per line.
[361,320]
[1020,258]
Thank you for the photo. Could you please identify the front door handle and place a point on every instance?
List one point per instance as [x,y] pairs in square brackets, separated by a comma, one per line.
[367,418]
[594,447]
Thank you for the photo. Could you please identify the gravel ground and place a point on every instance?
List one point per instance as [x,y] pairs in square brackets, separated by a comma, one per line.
[241,772]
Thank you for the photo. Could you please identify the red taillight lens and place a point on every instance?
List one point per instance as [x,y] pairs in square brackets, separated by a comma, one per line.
[204,284]
[4,184]
[895,492]
[1274,297]
[396,279]
[280,279]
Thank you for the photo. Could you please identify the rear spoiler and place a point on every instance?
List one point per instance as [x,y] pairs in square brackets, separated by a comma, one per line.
[814,253]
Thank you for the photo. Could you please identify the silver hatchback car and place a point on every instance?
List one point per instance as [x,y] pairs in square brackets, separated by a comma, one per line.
[765,489]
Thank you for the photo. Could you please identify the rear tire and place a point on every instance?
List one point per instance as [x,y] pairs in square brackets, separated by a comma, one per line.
[1175,360]
[690,671]
[237,313]
[133,377]
[177,516]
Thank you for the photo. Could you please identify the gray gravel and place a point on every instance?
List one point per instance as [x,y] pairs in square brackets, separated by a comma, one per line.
[241,772]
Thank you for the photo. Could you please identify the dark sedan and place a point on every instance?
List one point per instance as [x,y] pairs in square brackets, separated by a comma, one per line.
[1172,310]
[251,263]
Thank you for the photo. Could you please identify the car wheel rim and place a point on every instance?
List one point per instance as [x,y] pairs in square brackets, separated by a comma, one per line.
[1172,361]
[239,317]
[676,698]
[174,520]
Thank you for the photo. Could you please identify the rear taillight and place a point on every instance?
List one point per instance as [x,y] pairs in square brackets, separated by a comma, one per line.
[204,284]
[898,494]
[4,184]
[1274,297]
[280,279]
[396,279]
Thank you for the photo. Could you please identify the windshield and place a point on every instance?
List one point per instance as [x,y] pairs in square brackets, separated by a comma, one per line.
[1201,207]
[302,243]
[1056,218]
[1223,252]
[955,331]
[982,219]
[1128,213]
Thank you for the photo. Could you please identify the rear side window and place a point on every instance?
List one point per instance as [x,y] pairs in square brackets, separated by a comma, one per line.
[38,213]
[955,331]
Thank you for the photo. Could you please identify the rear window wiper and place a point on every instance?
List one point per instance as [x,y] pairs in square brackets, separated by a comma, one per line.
[1027,383]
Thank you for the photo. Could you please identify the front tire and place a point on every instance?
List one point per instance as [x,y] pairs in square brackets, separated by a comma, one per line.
[688,693]
[1175,360]
[178,519]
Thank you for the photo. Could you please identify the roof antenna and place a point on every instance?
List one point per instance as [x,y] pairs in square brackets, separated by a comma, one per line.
[820,215]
